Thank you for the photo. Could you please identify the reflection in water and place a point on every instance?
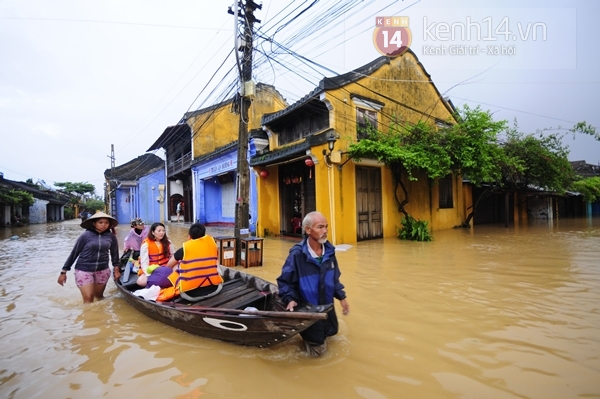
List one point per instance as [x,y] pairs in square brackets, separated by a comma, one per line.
[483,313]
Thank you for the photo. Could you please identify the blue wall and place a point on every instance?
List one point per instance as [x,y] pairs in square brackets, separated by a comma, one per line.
[126,204]
[149,208]
[140,200]
[209,194]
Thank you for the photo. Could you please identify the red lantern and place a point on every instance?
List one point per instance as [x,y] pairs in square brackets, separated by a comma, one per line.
[309,162]
[264,173]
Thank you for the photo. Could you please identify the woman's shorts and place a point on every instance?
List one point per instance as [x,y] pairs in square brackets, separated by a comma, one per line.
[85,278]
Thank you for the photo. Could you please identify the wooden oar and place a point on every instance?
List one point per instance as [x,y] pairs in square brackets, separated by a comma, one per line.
[266,313]
[128,267]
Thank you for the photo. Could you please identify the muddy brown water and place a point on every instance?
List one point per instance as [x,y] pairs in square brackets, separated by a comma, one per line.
[491,312]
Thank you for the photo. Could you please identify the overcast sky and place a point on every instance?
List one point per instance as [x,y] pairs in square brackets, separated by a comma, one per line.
[77,76]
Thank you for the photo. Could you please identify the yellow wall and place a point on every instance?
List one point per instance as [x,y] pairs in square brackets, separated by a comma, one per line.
[216,128]
[404,80]
[268,203]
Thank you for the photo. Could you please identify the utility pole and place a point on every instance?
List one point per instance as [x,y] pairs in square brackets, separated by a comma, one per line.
[110,194]
[244,45]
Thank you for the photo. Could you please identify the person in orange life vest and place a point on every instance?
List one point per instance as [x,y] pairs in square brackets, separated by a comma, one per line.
[155,251]
[194,266]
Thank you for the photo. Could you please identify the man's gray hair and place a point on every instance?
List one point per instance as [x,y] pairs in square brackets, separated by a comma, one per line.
[309,220]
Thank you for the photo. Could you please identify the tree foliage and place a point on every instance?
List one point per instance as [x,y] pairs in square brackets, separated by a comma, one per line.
[15,197]
[585,128]
[79,188]
[473,146]
[95,205]
[589,188]
[468,146]
[540,161]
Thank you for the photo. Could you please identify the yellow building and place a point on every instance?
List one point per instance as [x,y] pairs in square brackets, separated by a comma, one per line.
[218,125]
[206,183]
[306,167]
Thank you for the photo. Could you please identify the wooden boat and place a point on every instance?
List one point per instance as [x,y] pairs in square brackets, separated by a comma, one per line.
[247,311]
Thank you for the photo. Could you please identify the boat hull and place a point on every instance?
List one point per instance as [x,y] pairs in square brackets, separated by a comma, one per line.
[269,325]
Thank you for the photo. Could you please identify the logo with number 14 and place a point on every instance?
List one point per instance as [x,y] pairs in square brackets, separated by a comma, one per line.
[392,36]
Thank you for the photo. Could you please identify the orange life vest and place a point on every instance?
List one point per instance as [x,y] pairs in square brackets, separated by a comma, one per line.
[198,268]
[155,254]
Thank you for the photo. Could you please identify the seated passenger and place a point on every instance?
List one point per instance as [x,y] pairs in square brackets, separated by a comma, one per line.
[136,235]
[155,251]
[192,267]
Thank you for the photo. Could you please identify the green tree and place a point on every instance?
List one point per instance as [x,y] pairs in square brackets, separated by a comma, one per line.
[468,146]
[94,205]
[15,197]
[475,153]
[540,161]
[405,149]
[79,188]
[590,188]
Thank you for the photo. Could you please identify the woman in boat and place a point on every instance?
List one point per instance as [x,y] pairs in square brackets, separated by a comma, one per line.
[155,251]
[93,251]
[136,235]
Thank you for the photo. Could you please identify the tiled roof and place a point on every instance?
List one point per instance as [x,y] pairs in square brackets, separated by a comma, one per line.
[173,133]
[328,84]
[343,80]
[53,197]
[136,168]
[585,169]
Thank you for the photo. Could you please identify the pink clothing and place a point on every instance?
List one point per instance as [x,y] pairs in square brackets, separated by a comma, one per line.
[84,278]
[134,240]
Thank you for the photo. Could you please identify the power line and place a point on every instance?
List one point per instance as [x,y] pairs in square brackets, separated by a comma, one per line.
[110,23]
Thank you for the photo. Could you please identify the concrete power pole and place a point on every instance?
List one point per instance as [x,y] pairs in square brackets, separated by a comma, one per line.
[247,88]
[110,194]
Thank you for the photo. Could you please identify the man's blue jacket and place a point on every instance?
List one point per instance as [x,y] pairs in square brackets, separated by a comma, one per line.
[304,280]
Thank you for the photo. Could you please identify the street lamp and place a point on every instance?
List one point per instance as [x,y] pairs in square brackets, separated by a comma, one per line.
[331,139]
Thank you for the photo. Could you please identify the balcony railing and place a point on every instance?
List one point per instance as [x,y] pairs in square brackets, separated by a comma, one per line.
[178,165]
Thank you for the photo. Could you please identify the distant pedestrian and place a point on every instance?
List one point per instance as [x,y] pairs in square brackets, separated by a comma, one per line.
[95,248]
[180,209]
[84,215]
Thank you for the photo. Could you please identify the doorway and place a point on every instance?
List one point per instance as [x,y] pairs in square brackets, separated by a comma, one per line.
[297,193]
[368,203]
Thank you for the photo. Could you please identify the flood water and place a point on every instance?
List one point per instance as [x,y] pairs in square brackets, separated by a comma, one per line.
[491,312]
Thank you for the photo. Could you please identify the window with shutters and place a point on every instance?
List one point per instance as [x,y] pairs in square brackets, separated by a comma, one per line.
[364,119]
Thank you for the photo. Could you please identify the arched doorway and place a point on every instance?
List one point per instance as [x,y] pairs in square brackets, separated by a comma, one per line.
[173,202]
